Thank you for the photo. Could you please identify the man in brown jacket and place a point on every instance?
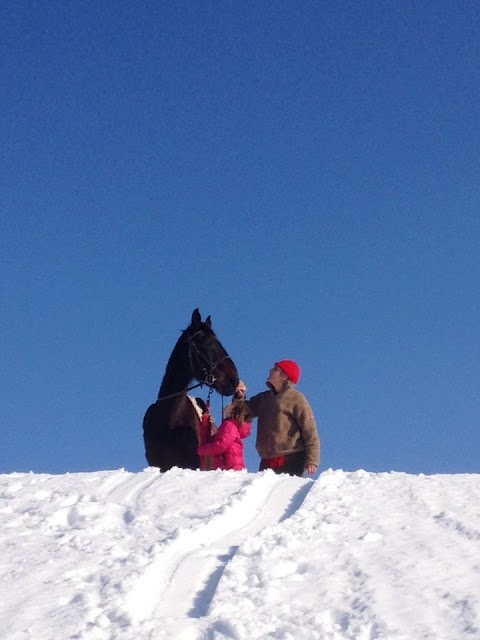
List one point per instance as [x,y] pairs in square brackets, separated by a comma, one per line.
[287,437]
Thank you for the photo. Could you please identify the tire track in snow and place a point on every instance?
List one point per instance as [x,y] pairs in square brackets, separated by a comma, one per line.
[180,581]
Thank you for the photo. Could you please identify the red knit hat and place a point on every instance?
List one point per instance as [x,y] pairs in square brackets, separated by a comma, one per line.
[290,369]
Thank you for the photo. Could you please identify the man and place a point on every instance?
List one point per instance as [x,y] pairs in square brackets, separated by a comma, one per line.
[287,437]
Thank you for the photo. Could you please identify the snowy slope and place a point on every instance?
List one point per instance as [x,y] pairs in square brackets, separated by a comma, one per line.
[115,555]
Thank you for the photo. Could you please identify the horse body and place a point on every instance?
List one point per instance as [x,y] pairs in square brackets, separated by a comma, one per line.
[171,424]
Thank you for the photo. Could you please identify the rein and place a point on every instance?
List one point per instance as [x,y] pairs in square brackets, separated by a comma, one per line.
[195,386]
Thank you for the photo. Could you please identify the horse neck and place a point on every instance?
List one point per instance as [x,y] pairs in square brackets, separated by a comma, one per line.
[178,373]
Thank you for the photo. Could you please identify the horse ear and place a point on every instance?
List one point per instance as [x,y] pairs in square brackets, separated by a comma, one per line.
[208,322]
[196,318]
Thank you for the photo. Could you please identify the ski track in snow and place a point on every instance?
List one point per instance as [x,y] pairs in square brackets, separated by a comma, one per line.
[181,578]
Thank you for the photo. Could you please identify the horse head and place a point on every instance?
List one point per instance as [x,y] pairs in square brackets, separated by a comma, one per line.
[209,361]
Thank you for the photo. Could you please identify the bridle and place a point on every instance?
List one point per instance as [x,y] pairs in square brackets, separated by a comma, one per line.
[195,355]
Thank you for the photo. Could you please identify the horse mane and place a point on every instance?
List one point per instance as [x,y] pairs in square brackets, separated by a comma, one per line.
[176,377]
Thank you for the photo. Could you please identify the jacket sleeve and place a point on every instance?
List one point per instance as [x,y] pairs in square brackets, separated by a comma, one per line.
[222,440]
[254,403]
[308,428]
[245,430]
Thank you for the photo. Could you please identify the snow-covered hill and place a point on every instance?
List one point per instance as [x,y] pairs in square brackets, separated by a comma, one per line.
[187,555]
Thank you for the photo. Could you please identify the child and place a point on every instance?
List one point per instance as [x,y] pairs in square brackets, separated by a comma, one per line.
[226,445]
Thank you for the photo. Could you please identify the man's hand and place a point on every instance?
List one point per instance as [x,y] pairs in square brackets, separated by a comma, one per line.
[241,391]
[310,469]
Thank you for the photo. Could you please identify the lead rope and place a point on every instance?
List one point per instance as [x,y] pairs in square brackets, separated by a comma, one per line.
[210,391]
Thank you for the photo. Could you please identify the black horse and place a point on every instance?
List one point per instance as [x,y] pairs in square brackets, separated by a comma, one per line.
[171,424]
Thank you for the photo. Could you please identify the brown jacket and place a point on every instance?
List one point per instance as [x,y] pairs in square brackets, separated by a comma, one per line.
[285,424]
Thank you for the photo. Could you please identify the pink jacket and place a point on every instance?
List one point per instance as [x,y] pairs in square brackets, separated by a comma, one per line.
[226,445]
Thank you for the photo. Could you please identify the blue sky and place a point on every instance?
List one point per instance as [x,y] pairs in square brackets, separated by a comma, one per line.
[307,173]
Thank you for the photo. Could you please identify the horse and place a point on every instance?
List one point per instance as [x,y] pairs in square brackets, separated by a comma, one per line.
[171,424]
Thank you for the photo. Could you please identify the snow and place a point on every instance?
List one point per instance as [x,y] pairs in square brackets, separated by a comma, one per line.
[188,555]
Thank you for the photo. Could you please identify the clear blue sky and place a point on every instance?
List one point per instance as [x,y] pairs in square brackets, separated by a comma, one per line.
[307,173]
